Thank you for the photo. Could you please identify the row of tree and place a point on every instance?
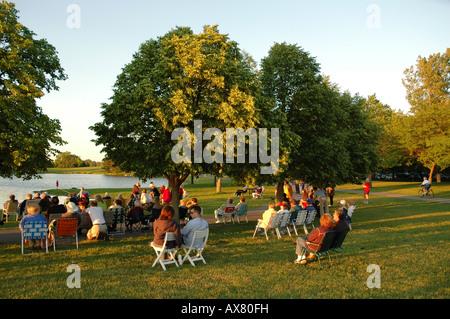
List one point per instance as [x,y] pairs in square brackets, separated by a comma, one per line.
[69,160]
[324,136]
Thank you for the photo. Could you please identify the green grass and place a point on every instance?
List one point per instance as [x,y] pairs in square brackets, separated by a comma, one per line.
[407,239]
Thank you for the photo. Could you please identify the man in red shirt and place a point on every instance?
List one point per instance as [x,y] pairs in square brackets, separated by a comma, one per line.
[366,191]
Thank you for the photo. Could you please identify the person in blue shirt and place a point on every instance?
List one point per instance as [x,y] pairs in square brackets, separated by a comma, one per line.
[196,223]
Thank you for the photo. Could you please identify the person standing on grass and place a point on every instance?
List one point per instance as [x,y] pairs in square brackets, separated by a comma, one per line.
[320,194]
[351,209]
[330,191]
[366,191]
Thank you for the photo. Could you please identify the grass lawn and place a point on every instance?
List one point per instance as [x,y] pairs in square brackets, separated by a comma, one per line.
[407,239]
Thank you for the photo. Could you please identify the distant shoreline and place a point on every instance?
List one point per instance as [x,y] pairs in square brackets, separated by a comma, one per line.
[81,170]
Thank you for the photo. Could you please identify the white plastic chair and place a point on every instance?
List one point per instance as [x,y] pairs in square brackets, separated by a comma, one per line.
[197,250]
[11,209]
[161,250]
[283,223]
[309,220]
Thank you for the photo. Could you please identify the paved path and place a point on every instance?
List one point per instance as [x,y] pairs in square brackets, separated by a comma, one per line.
[442,200]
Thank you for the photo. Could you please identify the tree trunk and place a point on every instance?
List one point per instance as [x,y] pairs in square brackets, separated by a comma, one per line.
[219,185]
[219,180]
[279,194]
[431,173]
[175,182]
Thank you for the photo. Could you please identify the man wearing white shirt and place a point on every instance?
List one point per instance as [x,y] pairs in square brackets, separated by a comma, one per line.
[426,185]
[196,223]
[99,230]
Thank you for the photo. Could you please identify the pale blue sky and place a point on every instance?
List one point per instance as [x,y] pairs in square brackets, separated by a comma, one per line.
[364,46]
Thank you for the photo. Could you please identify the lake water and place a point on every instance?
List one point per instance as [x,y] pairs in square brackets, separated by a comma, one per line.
[21,188]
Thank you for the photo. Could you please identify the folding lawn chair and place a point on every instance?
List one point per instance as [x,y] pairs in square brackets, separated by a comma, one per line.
[11,210]
[229,211]
[64,228]
[242,212]
[309,220]
[195,248]
[300,221]
[272,224]
[336,245]
[162,250]
[284,223]
[34,230]
[321,249]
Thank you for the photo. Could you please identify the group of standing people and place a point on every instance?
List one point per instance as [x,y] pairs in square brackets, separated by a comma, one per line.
[163,195]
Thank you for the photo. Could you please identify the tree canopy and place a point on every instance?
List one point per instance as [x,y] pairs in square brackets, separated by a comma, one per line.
[330,139]
[183,82]
[28,68]
[171,83]
[426,130]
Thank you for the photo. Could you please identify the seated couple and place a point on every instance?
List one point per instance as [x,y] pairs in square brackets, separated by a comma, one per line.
[165,223]
[218,213]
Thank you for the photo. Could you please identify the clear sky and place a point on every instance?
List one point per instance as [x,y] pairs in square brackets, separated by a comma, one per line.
[364,46]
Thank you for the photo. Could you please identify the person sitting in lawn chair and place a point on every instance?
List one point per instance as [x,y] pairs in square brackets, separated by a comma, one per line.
[135,215]
[315,237]
[218,213]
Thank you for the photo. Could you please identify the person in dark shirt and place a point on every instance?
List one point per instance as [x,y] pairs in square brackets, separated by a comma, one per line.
[55,208]
[326,225]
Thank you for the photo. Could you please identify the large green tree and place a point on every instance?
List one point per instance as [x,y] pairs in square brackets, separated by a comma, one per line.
[28,68]
[172,83]
[329,139]
[427,126]
[390,150]
[68,160]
